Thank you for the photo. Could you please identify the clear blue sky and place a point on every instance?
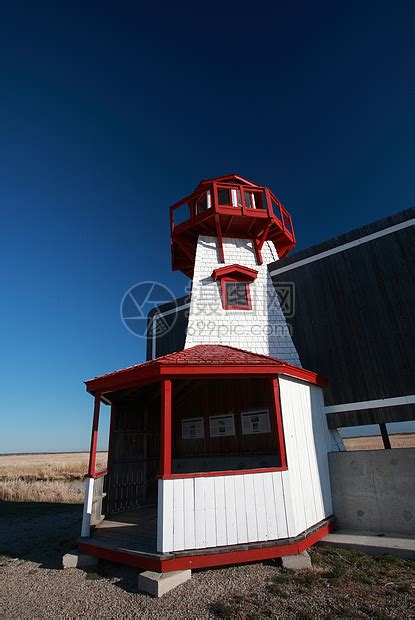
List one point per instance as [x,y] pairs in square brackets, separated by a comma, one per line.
[110,112]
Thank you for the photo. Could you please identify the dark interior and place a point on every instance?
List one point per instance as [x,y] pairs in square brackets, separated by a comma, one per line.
[217,397]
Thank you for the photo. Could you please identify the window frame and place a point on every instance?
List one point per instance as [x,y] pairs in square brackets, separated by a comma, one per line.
[235,273]
[274,409]
[228,306]
[208,202]
[225,188]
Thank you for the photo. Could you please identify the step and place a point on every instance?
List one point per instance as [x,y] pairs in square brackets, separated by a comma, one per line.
[373,544]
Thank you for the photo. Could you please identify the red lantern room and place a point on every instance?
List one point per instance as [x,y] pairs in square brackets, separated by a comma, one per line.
[228,206]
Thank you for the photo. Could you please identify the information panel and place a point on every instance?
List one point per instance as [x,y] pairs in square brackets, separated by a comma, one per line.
[255,422]
[222,425]
[193,428]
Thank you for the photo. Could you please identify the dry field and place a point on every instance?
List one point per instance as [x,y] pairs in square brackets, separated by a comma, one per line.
[400,440]
[58,477]
[45,477]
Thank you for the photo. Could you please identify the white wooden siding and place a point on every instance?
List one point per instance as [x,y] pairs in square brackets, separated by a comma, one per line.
[216,511]
[308,441]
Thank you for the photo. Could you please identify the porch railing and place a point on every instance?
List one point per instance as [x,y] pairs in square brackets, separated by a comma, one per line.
[99,493]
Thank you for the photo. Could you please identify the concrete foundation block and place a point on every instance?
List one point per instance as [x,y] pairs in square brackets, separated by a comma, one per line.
[76,559]
[158,584]
[297,562]
[367,542]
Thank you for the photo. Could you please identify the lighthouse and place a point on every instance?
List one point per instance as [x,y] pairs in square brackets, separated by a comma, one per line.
[229,230]
[218,452]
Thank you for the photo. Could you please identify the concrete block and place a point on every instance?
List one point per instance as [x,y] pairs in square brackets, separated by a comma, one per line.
[374,490]
[297,562]
[366,542]
[76,559]
[158,584]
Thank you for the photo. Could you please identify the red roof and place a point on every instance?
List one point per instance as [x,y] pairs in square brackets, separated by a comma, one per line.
[225,359]
[229,178]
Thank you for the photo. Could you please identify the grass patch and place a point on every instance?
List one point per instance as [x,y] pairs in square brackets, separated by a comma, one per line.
[223,610]
[363,578]
[94,576]
[277,590]
[45,477]
[64,466]
[229,609]
[335,572]
[17,490]
[307,579]
[286,576]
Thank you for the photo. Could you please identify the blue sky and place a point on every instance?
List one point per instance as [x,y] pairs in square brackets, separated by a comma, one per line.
[110,112]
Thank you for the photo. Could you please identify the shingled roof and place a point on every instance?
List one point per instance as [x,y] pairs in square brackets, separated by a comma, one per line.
[200,358]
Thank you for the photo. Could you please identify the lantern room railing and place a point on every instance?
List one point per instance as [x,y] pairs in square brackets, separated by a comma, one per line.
[227,199]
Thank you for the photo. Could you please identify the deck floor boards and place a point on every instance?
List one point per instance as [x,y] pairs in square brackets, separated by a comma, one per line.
[135,530]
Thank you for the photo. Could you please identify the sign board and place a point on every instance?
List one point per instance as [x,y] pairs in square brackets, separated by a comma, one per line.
[222,425]
[193,428]
[255,422]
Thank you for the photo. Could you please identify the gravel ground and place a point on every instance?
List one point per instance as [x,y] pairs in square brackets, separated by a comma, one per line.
[33,538]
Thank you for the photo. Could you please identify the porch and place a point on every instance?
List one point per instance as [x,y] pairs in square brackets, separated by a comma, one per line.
[129,539]
[196,464]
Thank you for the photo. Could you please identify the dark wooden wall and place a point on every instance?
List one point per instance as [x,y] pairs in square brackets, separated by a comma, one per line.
[134,451]
[215,397]
[171,330]
[354,318]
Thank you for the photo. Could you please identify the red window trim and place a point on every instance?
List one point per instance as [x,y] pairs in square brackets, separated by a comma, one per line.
[239,270]
[235,273]
[166,440]
[226,305]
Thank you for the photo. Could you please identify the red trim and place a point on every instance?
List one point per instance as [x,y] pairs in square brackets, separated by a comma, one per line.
[219,236]
[258,253]
[111,436]
[240,557]
[278,421]
[238,270]
[94,437]
[235,371]
[124,379]
[98,474]
[205,560]
[227,472]
[121,557]
[263,238]
[165,432]
[230,177]
[142,376]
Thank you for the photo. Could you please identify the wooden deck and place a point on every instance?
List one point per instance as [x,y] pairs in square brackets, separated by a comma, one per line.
[131,538]
[133,530]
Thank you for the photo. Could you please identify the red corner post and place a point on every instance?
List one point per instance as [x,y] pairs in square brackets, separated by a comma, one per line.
[278,420]
[165,431]
[94,436]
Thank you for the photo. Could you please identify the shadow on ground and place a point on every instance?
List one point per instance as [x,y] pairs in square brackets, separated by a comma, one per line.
[38,531]
[43,532]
